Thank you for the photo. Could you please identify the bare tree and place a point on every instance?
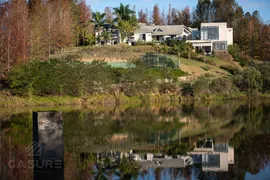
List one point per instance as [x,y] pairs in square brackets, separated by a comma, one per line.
[156,15]
[109,15]
[169,15]
[142,16]
[163,18]
[14,32]
[186,16]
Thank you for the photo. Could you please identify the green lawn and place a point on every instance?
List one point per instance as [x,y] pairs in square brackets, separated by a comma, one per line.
[197,68]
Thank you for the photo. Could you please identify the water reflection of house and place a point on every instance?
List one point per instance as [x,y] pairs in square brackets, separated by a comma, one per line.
[213,156]
[148,160]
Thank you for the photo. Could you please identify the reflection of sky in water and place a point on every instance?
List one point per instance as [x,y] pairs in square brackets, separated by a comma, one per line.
[262,175]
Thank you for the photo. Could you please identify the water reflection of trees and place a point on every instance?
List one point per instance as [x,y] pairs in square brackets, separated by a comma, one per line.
[248,130]
[252,145]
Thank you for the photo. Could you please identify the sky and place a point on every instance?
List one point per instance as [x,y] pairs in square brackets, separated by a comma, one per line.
[263,6]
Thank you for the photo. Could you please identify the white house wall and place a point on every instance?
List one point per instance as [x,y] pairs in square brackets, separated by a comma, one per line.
[148,37]
[230,36]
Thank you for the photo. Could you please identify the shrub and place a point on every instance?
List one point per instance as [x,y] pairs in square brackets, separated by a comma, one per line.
[230,68]
[248,79]
[234,50]
[187,89]
[59,77]
[67,76]
[222,85]
[201,85]
[264,69]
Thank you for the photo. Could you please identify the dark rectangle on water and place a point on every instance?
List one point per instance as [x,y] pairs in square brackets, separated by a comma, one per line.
[48,147]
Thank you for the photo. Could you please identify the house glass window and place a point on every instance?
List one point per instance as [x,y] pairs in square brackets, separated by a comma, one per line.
[220,45]
[196,35]
[210,33]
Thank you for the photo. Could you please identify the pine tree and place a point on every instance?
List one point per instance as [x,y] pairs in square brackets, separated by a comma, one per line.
[202,13]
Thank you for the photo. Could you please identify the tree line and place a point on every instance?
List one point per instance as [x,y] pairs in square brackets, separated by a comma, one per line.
[38,28]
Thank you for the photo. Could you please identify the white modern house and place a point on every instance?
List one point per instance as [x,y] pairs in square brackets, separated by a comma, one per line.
[212,36]
[160,33]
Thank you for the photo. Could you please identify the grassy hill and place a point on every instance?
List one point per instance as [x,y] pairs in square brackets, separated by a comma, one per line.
[124,53]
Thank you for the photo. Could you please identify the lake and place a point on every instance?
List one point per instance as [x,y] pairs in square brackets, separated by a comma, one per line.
[217,140]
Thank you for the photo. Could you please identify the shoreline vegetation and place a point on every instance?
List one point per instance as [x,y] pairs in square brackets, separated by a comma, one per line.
[117,100]
[69,81]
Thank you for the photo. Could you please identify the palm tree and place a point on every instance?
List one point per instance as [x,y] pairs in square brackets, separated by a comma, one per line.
[99,20]
[188,48]
[178,48]
[106,36]
[125,28]
[123,12]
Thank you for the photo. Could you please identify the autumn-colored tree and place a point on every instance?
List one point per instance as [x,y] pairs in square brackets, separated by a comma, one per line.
[186,17]
[83,26]
[38,29]
[66,24]
[223,11]
[175,17]
[169,15]
[142,16]
[14,33]
[108,15]
[265,43]
[162,18]
[156,16]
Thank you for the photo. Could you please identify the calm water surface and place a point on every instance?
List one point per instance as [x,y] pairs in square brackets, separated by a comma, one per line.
[222,140]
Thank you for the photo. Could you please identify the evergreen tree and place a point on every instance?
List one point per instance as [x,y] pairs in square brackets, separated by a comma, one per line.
[202,13]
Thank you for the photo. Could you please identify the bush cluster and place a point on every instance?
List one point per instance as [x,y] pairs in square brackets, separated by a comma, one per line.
[247,80]
[67,76]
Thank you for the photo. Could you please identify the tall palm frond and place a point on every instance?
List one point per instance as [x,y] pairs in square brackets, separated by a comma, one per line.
[123,12]
[99,19]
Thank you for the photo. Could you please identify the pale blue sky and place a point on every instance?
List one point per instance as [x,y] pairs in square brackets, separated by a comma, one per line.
[263,6]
